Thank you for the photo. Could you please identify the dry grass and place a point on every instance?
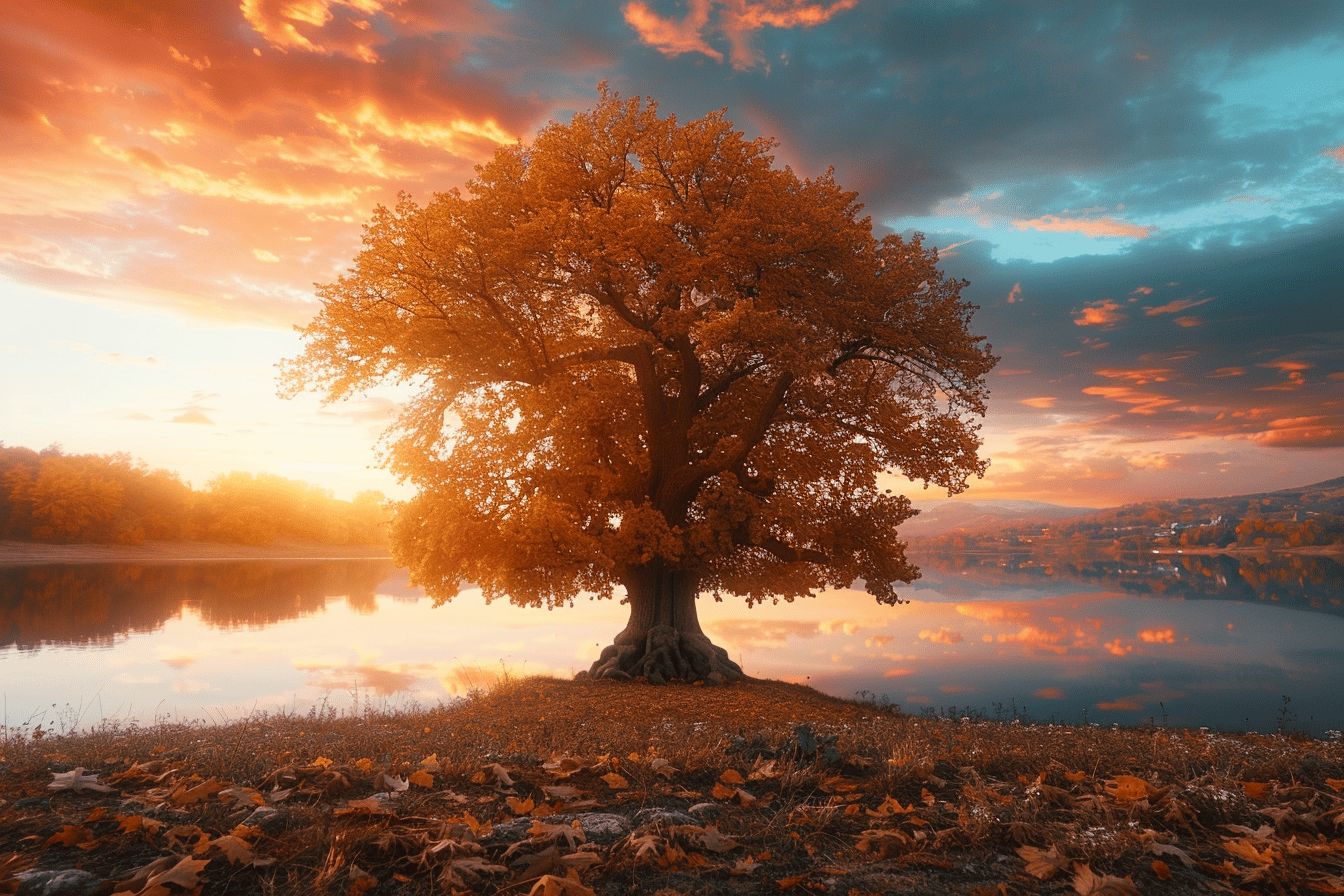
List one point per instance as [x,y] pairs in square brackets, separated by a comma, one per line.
[894,802]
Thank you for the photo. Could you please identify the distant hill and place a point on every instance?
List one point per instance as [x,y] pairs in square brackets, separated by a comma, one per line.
[950,517]
[1305,516]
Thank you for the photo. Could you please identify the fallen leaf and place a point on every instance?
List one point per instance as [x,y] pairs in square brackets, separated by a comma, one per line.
[1161,869]
[368,806]
[562,766]
[185,874]
[322,762]
[431,763]
[1128,789]
[183,795]
[732,776]
[75,779]
[560,791]
[1335,784]
[364,764]
[520,807]
[1075,777]
[616,781]
[72,835]
[1086,882]
[361,881]
[1255,789]
[550,885]
[500,774]
[1042,863]
[421,778]
[242,797]
[762,771]
[743,867]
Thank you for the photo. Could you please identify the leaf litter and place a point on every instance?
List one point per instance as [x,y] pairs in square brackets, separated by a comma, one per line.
[677,790]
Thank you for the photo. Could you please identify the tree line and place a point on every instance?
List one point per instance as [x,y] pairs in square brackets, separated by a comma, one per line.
[51,496]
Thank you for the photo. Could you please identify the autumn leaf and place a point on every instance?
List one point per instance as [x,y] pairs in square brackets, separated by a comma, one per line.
[722,792]
[183,795]
[662,767]
[421,778]
[237,851]
[72,835]
[1335,784]
[560,791]
[762,771]
[431,763]
[242,797]
[520,807]
[130,824]
[1042,863]
[360,880]
[550,885]
[743,867]
[75,780]
[1247,851]
[184,874]
[732,776]
[368,806]
[1088,883]
[707,837]
[563,766]
[1128,789]
[322,762]
[890,806]
[364,764]
[499,773]
[1255,789]
[1075,777]
[1161,869]
[616,781]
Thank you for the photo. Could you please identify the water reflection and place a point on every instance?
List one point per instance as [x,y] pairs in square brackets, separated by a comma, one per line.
[1303,581]
[1197,640]
[91,605]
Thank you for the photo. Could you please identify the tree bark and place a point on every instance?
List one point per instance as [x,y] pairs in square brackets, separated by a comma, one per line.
[663,641]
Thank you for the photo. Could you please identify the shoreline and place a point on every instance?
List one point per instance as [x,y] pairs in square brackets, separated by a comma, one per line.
[31,553]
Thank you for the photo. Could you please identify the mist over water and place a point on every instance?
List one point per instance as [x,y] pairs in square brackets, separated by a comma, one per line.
[1192,640]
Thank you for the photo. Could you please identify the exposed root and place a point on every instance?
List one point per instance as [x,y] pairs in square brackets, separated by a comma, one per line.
[665,654]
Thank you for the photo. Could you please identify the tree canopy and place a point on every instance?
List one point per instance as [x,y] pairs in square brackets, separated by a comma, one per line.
[639,350]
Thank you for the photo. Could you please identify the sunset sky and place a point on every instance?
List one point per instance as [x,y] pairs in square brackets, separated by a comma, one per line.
[1147,199]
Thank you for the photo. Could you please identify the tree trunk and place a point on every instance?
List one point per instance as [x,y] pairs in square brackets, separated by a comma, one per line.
[662,641]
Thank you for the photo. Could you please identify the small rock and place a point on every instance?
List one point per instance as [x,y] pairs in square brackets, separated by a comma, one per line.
[604,827]
[662,817]
[706,810]
[268,819]
[70,882]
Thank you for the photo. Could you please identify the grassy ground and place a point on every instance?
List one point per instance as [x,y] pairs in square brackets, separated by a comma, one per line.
[569,788]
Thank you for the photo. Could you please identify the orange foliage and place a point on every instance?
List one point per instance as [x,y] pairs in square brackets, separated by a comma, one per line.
[66,498]
[643,351]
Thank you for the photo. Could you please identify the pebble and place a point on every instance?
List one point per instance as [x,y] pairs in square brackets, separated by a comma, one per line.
[70,882]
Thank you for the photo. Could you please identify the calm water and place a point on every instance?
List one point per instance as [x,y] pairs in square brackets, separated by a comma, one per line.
[1189,641]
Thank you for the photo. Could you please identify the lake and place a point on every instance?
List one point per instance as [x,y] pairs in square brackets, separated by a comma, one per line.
[1229,643]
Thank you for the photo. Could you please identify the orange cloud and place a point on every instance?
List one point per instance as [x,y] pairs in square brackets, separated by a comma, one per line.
[940,636]
[1125,704]
[1176,306]
[1093,227]
[1040,402]
[672,37]
[1336,153]
[1049,693]
[1224,372]
[1294,371]
[1158,636]
[307,25]
[736,20]
[1302,432]
[1118,647]
[1015,294]
[1140,402]
[1139,376]
[1102,313]
[899,672]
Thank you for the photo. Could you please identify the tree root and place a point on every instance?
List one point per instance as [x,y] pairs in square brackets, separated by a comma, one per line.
[666,654]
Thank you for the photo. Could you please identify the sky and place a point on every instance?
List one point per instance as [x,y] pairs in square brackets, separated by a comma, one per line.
[1147,199]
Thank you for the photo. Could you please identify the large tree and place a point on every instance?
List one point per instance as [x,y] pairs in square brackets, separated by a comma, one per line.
[643,358]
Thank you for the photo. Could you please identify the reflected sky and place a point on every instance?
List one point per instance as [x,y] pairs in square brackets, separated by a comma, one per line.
[1066,642]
